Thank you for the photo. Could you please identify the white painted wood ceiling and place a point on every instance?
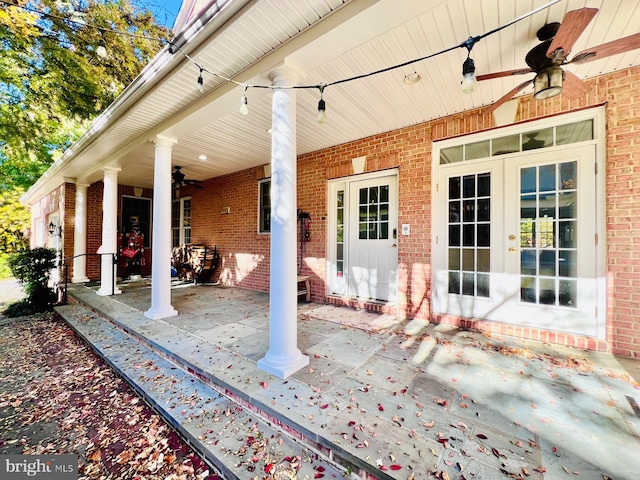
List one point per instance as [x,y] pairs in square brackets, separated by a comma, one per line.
[327,41]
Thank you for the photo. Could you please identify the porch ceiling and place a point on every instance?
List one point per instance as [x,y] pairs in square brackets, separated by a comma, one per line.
[330,40]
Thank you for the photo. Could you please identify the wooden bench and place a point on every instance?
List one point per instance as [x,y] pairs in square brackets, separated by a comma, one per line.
[195,261]
[304,287]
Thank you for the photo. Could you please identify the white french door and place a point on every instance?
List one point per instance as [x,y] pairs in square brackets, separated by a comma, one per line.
[519,241]
[363,254]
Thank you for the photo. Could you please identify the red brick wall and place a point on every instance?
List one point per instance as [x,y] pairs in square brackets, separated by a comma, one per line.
[244,252]
[94,228]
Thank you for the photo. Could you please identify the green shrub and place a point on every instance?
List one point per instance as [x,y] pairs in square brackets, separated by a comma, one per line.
[33,269]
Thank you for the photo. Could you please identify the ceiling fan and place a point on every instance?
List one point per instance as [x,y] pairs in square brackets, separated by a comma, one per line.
[178,180]
[547,59]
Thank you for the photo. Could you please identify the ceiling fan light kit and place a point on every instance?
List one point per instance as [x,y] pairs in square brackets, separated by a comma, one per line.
[547,58]
[548,83]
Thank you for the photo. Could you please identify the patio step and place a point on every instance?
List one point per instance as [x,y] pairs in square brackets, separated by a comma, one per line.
[238,442]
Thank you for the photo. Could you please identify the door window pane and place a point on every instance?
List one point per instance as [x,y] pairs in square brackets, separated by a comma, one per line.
[373,211]
[472,231]
[548,234]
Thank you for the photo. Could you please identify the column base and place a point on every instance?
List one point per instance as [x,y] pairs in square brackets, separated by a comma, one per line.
[158,313]
[282,367]
[80,280]
[105,292]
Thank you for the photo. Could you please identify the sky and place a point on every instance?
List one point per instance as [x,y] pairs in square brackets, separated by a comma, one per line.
[165,11]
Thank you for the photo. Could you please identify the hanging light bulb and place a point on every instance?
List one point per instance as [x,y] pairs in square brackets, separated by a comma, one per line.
[322,108]
[244,103]
[101,50]
[469,82]
[200,82]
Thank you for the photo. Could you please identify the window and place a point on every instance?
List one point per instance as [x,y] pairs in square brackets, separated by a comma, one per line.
[264,206]
[136,210]
[181,221]
[547,137]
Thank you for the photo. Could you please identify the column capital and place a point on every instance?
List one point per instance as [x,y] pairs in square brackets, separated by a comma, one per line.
[162,141]
[82,184]
[112,170]
[284,74]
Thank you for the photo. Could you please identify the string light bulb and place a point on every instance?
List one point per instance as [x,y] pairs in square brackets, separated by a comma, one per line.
[244,103]
[101,50]
[201,81]
[322,107]
[469,82]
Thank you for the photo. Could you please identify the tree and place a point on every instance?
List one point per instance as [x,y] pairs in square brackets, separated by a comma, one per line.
[14,222]
[53,80]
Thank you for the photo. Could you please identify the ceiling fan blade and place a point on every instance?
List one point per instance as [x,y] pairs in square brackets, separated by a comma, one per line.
[608,49]
[573,87]
[572,26]
[506,73]
[506,97]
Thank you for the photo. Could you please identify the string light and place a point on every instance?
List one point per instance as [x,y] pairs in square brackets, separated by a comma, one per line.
[101,51]
[322,107]
[244,106]
[173,48]
[469,82]
[201,81]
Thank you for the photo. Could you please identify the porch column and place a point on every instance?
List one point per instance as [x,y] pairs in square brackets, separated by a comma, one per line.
[108,270]
[283,357]
[161,234]
[80,235]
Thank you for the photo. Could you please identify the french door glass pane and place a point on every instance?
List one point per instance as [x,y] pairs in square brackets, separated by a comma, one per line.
[548,226]
[469,199]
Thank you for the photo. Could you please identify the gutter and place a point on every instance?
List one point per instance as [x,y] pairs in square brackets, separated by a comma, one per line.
[212,17]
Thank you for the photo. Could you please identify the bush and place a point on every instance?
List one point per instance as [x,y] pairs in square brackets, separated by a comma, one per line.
[33,269]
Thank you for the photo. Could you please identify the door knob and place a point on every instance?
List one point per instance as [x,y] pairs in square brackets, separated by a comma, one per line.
[513,249]
[394,245]
[512,237]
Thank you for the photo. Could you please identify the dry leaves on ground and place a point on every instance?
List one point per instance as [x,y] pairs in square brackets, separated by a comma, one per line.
[59,397]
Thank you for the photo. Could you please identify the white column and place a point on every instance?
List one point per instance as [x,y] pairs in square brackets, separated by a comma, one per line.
[283,357]
[108,270]
[80,235]
[161,235]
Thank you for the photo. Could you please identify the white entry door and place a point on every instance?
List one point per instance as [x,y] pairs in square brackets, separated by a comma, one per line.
[373,249]
[519,241]
[363,235]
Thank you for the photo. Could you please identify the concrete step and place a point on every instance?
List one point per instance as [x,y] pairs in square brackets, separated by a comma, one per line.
[238,442]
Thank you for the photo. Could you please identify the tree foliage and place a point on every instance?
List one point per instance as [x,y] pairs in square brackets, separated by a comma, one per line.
[14,222]
[53,82]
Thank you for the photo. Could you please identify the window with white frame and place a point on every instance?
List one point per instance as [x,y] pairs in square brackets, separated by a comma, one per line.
[181,221]
[264,206]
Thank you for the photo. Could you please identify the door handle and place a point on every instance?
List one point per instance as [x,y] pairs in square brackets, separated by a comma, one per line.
[395,245]
[513,249]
